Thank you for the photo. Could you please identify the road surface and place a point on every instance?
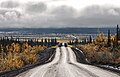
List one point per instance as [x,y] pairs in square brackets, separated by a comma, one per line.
[65,65]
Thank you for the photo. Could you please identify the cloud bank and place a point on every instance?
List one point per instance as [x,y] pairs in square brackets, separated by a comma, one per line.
[39,15]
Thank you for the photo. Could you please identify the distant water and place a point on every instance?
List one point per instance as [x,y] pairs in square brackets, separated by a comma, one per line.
[57,30]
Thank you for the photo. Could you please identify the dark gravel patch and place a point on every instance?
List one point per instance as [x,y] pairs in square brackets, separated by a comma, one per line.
[80,56]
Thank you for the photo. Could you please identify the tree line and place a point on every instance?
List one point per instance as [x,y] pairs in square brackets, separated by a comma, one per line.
[16,53]
[43,42]
[111,40]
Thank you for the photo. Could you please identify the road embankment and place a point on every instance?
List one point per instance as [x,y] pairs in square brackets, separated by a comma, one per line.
[80,56]
[82,59]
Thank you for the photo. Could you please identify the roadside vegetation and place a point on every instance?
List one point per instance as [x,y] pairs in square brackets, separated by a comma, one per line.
[103,49]
[15,54]
[98,54]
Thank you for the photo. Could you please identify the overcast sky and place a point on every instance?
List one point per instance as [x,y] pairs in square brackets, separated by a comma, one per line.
[59,13]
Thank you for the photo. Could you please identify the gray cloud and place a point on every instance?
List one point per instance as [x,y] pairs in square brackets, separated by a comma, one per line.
[100,15]
[9,4]
[32,7]
[9,18]
[3,11]
[64,11]
[91,16]
[61,16]
[98,11]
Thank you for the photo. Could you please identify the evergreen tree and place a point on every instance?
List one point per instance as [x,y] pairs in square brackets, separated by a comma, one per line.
[55,40]
[45,43]
[117,35]
[52,42]
[42,42]
[85,41]
[31,42]
[90,40]
[76,41]
[7,40]
[11,40]
[109,39]
[49,43]
[70,42]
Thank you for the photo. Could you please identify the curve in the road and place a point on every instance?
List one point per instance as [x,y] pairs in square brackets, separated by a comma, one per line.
[65,65]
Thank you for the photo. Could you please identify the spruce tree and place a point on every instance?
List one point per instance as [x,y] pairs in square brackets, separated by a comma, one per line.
[45,42]
[76,41]
[117,35]
[42,42]
[55,41]
[109,37]
[48,42]
[52,42]
[90,40]
[70,42]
